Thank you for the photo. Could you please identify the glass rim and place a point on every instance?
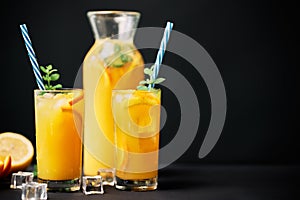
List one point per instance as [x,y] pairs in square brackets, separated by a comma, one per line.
[59,90]
[113,13]
[133,90]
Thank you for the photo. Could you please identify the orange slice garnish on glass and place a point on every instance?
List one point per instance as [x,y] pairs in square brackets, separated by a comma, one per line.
[139,107]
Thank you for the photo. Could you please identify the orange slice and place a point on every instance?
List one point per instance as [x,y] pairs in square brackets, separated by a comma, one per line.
[6,167]
[76,99]
[139,107]
[19,148]
[1,166]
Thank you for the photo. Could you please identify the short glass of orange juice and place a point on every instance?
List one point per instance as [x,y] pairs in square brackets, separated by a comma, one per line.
[59,127]
[137,124]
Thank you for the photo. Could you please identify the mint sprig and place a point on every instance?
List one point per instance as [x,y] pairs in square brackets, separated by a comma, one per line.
[119,58]
[50,76]
[149,81]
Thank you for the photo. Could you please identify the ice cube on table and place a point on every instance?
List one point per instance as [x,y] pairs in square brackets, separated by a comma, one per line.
[92,185]
[34,190]
[108,176]
[17,179]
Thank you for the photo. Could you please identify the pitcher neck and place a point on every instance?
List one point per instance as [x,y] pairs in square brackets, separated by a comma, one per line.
[120,25]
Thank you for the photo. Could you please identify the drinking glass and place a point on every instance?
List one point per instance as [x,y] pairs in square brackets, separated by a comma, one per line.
[59,127]
[137,121]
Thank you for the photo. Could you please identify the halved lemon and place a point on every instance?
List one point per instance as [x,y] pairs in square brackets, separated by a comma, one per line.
[18,147]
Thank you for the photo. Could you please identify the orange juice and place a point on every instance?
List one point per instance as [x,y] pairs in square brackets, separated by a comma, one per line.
[137,120]
[109,64]
[58,119]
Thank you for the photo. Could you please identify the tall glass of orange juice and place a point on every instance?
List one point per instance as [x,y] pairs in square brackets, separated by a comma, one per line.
[137,121]
[113,62]
[59,128]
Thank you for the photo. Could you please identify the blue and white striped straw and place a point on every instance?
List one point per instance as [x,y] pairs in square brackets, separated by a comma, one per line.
[162,49]
[32,57]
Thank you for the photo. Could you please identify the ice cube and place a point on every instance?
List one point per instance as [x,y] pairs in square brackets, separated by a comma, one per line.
[119,98]
[34,190]
[92,185]
[48,95]
[108,176]
[17,179]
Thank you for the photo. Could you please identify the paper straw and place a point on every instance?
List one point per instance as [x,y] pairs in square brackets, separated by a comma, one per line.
[32,57]
[162,48]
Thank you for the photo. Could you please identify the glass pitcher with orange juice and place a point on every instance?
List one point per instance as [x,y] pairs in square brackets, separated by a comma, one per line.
[113,62]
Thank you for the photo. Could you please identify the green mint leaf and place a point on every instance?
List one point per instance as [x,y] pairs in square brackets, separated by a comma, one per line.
[117,48]
[141,87]
[124,58]
[143,82]
[46,78]
[159,80]
[53,70]
[54,77]
[43,69]
[57,86]
[152,67]
[49,67]
[148,71]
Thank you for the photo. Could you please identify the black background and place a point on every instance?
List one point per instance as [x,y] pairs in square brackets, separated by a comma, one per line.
[252,43]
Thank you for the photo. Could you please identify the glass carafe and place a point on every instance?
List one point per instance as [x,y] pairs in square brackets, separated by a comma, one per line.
[113,62]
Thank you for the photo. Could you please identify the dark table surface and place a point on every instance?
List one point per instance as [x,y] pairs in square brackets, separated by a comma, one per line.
[207,182]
